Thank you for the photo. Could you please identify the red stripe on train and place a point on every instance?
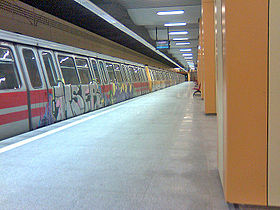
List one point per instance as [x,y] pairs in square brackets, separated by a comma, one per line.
[15,99]
[36,112]
[13,117]
[106,88]
[38,96]
[8,100]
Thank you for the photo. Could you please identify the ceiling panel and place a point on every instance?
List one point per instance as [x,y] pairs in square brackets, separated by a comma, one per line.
[162,34]
[132,4]
[149,16]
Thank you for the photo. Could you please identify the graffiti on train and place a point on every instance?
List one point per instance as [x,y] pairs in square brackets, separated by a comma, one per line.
[66,101]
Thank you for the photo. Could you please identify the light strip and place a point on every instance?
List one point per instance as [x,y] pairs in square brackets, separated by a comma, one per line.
[101,13]
[171,12]
[187,54]
[178,32]
[175,24]
[180,39]
[183,43]
[185,50]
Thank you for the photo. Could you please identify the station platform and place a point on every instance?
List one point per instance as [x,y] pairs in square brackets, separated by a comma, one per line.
[156,151]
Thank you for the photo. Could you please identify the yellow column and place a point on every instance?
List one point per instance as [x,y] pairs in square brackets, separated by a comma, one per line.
[245,66]
[201,58]
[209,56]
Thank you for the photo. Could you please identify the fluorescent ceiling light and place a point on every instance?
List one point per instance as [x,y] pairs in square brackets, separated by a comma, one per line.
[178,32]
[185,50]
[175,24]
[188,58]
[180,39]
[171,12]
[187,54]
[183,43]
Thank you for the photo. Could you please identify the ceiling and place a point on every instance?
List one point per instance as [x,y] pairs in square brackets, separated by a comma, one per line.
[144,13]
[137,15]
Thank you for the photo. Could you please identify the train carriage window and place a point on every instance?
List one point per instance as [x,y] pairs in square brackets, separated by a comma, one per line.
[155,75]
[129,78]
[68,70]
[103,73]
[94,66]
[123,73]
[9,78]
[159,75]
[144,74]
[49,65]
[117,71]
[140,78]
[132,74]
[83,70]
[111,73]
[32,68]
[138,73]
[151,74]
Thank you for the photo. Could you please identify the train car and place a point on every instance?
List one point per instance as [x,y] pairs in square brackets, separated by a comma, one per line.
[43,82]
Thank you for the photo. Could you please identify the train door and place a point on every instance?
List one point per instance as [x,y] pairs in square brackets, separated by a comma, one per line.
[125,82]
[54,84]
[38,100]
[75,104]
[133,80]
[142,80]
[149,79]
[14,117]
[152,80]
[129,81]
[139,78]
[106,88]
[97,77]
[88,86]
[113,82]
[120,92]
[138,81]
[145,80]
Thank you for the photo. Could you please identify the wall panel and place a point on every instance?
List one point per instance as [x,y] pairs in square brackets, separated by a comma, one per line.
[274,104]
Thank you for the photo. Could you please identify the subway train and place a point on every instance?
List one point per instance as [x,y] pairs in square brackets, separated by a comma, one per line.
[43,82]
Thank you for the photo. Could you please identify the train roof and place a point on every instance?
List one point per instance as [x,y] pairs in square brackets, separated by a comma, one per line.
[36,42]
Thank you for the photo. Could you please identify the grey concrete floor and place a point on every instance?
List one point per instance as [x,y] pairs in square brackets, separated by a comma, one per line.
[156,151]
